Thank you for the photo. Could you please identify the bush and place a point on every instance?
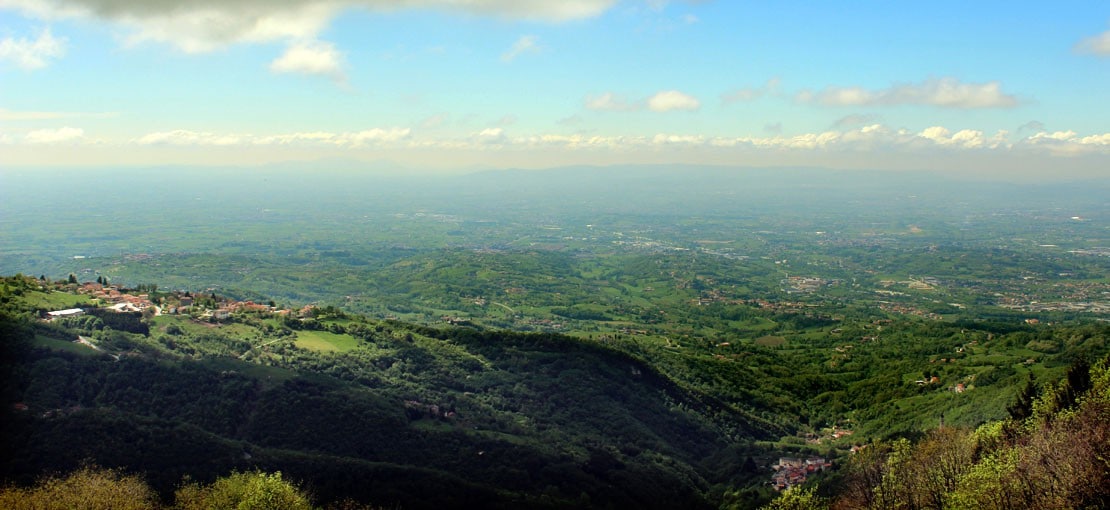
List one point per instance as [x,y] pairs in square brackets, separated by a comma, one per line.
[89,488]
[243,491]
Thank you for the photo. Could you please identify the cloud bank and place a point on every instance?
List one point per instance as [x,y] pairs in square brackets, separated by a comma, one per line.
[873,138]
[51,136]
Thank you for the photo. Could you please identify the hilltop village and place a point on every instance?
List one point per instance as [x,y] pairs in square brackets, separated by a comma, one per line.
[146,299]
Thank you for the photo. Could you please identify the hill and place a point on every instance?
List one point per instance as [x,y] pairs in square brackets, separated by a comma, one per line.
[409,416]
[393,413]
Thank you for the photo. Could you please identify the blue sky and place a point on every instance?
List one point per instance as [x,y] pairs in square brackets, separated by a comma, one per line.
[996,88]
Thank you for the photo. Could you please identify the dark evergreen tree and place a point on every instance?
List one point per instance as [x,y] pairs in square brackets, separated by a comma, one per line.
[1022,408]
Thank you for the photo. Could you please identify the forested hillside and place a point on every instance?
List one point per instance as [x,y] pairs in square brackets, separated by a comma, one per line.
[389,413]
[1051,453]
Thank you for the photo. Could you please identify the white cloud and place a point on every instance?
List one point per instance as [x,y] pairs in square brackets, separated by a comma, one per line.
[526,44]
[663,101]
[32,54]
[665,139]
[375,136]
[310,57]
[489,135]
[862,139]
[63,134]
[206,25]
[669,100]
[1069,143]
[186,137]
[538,10]
[865,139]
[868,141]
[943,92]
[666,100]
[750,93]
[203,28]
[1095,45]
[964,138]
[610,102]
[293,138]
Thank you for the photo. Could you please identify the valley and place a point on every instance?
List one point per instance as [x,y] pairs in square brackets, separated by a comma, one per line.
[662,346]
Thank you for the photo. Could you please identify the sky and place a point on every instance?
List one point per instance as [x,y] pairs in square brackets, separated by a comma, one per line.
[993,88]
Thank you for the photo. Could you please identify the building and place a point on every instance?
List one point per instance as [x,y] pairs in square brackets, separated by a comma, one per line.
[71,312]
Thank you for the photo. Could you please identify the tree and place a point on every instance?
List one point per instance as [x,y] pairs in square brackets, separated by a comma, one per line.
[72,278]
[244,491]
[798,498]
[1022,408]
[89,487]
[863,473]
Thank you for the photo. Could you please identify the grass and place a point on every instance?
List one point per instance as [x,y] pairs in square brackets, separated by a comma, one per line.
[323,341]
[64,345]
[54,300]
[194,327]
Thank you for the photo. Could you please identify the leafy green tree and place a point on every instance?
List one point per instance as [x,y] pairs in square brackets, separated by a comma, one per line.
[243,491]
[89,488]
[798,498]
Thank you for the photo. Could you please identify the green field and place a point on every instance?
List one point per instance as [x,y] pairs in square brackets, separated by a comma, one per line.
[55,300]
[64,345]
[323,341]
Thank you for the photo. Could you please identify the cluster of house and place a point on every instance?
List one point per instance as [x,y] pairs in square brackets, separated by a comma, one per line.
[791,471]
[121,301]
[175,303]
[805,284]
[919,283]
